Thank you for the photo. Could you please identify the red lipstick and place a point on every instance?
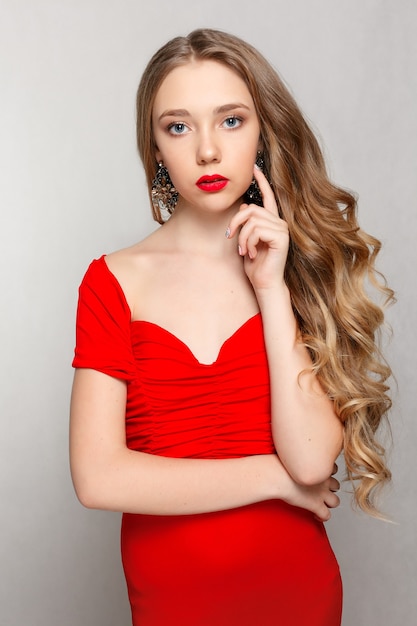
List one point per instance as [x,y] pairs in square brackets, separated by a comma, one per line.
[216,182]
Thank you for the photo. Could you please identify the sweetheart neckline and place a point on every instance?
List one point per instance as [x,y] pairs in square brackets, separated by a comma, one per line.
[186,346]
[103,261]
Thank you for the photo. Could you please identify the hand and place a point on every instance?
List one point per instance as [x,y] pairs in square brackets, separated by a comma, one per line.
[318,499]
[263,238]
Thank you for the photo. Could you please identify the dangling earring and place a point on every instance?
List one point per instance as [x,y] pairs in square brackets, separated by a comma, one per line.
[253,195]
[164,195]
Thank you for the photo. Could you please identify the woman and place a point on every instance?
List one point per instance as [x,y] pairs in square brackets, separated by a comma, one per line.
[218,377]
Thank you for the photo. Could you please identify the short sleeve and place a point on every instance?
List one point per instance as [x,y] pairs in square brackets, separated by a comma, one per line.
[103,339]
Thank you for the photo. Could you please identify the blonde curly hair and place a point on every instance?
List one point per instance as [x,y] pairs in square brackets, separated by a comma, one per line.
[331,261]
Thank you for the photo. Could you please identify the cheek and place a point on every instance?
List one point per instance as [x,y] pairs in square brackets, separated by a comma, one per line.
[171,155]
[247,161]
[177,172]
[249,149]
[247,180]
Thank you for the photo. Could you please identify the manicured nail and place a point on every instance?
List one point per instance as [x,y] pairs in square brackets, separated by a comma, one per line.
[227,233]
[239,250]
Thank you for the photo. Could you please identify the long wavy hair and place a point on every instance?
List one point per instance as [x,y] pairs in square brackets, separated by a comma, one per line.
[331,261]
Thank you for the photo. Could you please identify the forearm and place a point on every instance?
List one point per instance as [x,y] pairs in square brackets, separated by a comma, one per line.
[136,482]
[307,433]
[108,475]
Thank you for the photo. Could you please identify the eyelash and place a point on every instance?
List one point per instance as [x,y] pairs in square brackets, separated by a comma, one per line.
[235,118]
[172,126]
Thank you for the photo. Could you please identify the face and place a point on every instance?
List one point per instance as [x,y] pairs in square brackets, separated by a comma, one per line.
[207,134]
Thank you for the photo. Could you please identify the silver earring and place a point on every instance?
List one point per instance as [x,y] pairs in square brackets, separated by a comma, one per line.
[253,195]
[164,195]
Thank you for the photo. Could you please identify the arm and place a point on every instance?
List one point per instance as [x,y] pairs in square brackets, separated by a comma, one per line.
[107,475]
[307,433]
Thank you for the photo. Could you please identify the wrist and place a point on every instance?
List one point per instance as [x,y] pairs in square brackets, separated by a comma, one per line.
[277,482]
[277,313]
[271,297]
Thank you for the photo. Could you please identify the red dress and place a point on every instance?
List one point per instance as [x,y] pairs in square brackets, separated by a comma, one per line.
[259,565]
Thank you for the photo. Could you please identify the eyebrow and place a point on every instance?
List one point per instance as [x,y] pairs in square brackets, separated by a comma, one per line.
[225,108]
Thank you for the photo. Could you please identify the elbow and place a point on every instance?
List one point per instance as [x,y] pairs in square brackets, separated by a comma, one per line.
[88,499]
[87,495]
[88,490]
[313,466]
[96,480]
[308,475]
[305,479]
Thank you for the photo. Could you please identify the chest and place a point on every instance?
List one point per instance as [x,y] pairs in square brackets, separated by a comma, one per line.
[201,304]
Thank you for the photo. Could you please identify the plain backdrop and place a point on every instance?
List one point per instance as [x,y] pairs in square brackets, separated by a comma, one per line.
[72,188]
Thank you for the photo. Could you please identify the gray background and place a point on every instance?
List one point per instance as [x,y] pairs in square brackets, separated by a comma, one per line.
[72,188]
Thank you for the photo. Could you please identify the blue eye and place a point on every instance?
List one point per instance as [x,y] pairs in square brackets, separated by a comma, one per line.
[179,128]
[232,122]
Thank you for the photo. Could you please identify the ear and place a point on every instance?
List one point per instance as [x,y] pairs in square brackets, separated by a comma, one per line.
[158,156]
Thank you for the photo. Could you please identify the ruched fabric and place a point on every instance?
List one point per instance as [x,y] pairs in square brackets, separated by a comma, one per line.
[263,564]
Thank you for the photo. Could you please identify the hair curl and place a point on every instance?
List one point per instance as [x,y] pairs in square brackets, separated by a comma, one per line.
[331,261]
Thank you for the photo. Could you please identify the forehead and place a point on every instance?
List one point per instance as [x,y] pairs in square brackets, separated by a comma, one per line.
[200,84]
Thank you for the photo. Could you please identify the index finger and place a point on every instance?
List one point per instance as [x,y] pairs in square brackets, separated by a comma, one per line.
[268,196]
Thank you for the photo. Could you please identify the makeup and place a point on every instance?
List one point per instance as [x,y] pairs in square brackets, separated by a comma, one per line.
[212,183]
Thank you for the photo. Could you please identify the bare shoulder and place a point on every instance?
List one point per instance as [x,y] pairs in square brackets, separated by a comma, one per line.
[128,260]
[135,266]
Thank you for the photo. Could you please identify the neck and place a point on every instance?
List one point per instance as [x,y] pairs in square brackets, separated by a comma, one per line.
[201,233]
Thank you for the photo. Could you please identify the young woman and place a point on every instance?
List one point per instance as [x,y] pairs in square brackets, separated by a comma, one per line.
[218,377]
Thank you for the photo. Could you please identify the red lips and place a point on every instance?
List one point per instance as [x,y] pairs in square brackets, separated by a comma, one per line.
[212,183]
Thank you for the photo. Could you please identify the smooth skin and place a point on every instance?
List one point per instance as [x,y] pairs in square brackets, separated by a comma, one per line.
[205,123]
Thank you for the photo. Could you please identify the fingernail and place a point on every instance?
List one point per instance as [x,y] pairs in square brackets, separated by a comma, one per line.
[257,167]
[239,250]
[227,233]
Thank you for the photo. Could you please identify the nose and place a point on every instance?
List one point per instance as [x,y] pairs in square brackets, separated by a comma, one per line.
[208,149]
